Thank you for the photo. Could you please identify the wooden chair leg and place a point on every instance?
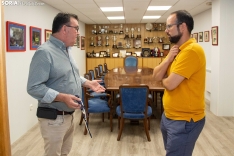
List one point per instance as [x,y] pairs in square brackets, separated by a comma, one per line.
[149,123]
[146,129]
[118,122]
[111,124]
[81,119]
[102,117]
[121,128]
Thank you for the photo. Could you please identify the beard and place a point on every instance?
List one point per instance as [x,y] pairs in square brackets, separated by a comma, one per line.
[175,39]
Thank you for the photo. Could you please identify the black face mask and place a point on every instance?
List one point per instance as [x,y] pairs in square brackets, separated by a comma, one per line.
[176,38]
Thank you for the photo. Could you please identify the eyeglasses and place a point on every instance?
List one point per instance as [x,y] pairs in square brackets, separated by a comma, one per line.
[170,25]
[77,28]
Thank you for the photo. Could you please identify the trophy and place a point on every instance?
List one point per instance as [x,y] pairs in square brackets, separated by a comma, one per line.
[114,43]
[107,53]
[160,39]
[132,35]
[99,41]
[107,40]
[94,31]
[126,33]
[92,42]
[121,29]
[100,30]
[160,27]
[138,33]
[128,44]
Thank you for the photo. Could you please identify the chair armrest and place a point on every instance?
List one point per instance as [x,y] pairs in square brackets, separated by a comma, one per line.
[94,95]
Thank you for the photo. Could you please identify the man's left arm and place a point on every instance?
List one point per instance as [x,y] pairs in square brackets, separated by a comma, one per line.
[172,81]
[93,85]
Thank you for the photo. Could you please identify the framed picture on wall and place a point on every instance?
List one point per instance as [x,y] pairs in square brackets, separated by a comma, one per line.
[47,34]
[78,41]
[214,32]
[15,37]
[166,46]
[35,37]
[206,36]
[82,42]
[200,36]
[195,36]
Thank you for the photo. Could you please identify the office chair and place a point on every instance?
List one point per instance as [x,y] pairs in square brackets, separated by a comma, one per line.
[134,106]
[130,61]
[95,103]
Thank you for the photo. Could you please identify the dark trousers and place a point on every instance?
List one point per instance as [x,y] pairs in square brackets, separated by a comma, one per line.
[180,136]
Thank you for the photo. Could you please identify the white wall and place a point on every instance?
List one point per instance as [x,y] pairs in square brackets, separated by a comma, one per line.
[202,22]
[222,99]
[17,66]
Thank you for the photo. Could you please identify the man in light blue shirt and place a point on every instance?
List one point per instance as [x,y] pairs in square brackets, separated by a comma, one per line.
[54,80]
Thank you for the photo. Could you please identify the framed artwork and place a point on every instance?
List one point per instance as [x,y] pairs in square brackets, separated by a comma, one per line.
[35,37]
[166,46]
[195,36]
[47,34]
[206,36]
[78,41]
[200,36]
[134,54]
[128,53]
[214,32]
[15,37]
[82,41]
[115,55]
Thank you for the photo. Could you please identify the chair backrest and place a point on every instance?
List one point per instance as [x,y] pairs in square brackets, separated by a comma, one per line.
[97,74]
[87,76]
[130,61]
[100,68]
[92,74]
[105,68]
[134,98]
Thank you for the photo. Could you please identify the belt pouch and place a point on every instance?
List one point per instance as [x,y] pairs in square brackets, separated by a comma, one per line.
[47,113]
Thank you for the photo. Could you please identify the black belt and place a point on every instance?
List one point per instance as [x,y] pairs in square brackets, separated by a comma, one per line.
[64,113]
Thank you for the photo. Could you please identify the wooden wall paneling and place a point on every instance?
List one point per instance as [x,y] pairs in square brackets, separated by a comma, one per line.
[119,62]
[99,61]
[5,145]
[91,63]
[140,63]
[110,63]
[151,62]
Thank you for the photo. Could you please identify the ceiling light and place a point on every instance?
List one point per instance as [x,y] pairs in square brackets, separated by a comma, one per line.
[115,17]
[109,9]
[159,7]
[151,17]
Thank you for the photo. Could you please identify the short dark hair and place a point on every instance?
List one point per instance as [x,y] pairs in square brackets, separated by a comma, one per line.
[61,19]
[184,16]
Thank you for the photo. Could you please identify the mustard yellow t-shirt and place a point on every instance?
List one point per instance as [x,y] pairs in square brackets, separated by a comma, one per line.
[187,100]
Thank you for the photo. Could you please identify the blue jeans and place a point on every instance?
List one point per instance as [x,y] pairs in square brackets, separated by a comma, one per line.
[180,136]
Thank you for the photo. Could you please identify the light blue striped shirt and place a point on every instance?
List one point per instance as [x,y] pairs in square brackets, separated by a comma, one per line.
[53,71]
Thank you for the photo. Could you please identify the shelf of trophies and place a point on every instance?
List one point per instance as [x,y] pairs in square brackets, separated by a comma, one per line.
[132,39]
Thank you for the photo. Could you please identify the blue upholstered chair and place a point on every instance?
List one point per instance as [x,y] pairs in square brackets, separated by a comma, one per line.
[134,106]
[92,75]
[130,61]
[97,103]
[101,71]
[98,74]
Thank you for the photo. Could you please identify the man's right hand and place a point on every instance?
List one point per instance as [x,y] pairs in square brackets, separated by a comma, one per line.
[69,100]
[173,53]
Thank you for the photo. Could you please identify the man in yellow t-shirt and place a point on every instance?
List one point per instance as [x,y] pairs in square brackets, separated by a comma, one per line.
[182,73]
